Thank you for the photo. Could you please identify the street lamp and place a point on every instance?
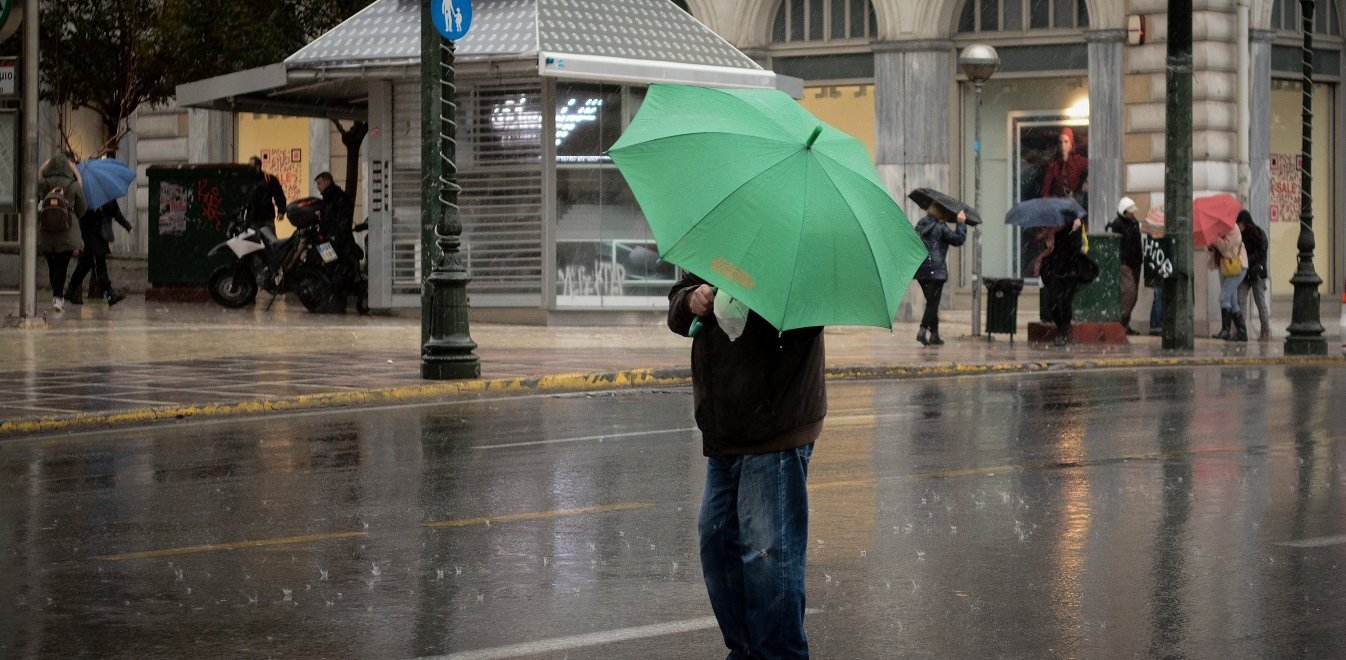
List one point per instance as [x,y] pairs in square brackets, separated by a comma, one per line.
[979,62]
[1306,330]
[446,346]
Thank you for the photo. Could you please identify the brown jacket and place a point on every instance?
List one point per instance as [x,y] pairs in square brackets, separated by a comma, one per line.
[763,392]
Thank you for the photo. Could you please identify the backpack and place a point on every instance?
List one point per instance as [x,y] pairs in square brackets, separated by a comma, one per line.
[55,213]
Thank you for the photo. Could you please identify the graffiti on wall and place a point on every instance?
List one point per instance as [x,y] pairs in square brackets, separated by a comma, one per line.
[1285,179]
[177,203]
[173,202]
[602,278]
[288,166]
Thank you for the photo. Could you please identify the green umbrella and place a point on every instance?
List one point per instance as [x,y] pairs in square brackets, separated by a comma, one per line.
[746,189]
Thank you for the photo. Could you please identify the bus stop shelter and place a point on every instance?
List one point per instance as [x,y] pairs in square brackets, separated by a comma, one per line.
[544,87]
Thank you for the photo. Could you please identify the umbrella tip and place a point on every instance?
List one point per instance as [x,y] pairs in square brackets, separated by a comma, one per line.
[813,137]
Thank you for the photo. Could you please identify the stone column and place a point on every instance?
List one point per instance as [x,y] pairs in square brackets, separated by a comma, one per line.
[1106,103]
[1259,135]
[913,94]
[210,136]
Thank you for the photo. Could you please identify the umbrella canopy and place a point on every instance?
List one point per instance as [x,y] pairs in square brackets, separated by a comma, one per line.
[924,197]
[746,189]
[1153,223]
[1213,217]
[1044,212]
[105,179]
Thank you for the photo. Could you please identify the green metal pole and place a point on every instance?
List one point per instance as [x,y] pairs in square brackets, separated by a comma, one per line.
[1306,330]
[1177,319]
[446,347]
[29,169]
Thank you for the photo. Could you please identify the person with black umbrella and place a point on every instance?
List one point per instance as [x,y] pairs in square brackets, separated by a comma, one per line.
[937,235]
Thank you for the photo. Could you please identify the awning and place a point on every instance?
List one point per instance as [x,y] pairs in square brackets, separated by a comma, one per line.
[619,41]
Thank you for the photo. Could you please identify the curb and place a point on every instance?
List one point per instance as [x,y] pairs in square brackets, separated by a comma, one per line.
[589,382]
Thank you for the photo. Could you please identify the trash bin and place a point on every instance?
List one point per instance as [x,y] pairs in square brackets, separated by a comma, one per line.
[1002,305]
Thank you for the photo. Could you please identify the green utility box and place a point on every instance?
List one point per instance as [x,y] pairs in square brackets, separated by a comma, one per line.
[1100,300]
[1002,306]
[191,206]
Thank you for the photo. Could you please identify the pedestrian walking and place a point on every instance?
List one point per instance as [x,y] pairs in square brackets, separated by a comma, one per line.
[937,235]
[266,199]
[1127,226]
[1230,258]
[1064,267]
[1156,264]
[96,229]
[1255,281]
[760,401]
[61,195]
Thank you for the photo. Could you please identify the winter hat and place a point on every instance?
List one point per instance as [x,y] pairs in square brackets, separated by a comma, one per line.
[1126,204]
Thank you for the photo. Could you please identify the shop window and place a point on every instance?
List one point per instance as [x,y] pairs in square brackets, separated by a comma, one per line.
[605,253]
[823,20]
[1014,15]
[1286,17]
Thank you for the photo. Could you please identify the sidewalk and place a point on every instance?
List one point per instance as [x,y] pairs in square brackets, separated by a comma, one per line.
[140,361]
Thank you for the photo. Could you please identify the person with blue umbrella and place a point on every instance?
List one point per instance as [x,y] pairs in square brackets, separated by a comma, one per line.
[105,181]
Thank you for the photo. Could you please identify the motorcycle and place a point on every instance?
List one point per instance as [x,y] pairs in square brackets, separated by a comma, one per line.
[264,262]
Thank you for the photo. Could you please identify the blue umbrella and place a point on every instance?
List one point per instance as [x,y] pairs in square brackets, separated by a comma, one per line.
[1044,212]
[105,179]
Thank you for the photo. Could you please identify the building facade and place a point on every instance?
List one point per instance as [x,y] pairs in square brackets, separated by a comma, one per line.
[886,70]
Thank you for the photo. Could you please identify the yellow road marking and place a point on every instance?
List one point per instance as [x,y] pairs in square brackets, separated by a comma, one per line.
[540,515]
[237,545]
[332,536]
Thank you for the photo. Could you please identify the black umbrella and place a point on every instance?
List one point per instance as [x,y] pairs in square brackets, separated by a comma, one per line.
[927,196]
[1044,212]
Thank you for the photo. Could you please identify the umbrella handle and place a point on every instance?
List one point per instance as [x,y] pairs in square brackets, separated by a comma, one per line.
[695,327]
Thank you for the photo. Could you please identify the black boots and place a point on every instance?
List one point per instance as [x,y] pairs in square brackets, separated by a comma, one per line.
[929,337]
[72,296]
[113,297]
[1226,319]
[1240,330]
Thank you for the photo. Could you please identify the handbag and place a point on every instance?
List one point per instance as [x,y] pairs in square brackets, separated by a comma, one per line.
[1230,266]
[1086,269]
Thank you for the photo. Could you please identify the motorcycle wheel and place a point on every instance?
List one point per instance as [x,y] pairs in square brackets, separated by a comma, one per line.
[315,292]
[233,286]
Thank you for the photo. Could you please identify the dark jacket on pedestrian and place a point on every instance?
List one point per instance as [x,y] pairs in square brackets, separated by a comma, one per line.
[338,211]
[59,172]
[1255,241]
[96,227]
[938,236]
[1066,261]
[763,392]
[1129,230]
[266,200]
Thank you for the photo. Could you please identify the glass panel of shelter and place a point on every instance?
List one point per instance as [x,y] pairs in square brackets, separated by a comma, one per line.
[605,252]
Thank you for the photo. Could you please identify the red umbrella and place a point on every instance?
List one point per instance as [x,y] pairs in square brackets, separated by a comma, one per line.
[1213,217]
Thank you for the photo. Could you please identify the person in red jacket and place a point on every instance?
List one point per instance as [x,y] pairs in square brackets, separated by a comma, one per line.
[1067,174]
[760,400]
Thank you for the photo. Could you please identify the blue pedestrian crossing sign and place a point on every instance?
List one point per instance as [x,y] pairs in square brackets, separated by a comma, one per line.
[451,17]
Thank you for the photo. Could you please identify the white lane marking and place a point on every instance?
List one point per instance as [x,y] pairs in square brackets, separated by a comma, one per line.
[582,641]
[606,436]
[1315,542]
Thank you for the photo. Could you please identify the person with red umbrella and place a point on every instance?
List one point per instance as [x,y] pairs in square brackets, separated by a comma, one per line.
[1228,256]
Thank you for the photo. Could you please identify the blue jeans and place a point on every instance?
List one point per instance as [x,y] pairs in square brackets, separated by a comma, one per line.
[754,537]
[1229,292]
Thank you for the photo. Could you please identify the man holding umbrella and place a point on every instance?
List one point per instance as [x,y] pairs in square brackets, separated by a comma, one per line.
[783,226]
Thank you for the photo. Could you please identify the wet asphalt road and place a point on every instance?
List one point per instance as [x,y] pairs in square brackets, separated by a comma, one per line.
[1175,512]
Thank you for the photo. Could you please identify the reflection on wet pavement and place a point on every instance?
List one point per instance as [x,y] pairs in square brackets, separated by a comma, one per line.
[1168,512]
